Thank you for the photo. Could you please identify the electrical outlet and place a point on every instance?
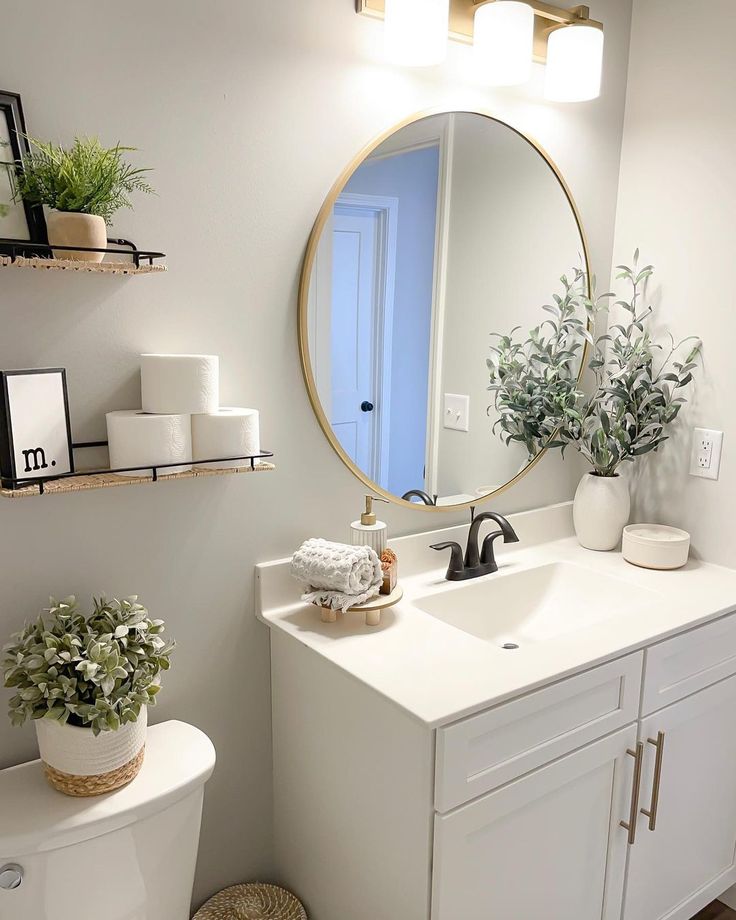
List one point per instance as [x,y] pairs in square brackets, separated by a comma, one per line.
[705,456]
[457,412]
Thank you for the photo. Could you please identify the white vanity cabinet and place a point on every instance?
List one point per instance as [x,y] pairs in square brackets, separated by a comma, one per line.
[540,806]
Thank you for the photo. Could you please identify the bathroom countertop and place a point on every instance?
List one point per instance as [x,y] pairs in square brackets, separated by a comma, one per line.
[439,673]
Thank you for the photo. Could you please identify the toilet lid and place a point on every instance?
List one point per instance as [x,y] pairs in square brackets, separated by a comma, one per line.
[252,902]
[35,818]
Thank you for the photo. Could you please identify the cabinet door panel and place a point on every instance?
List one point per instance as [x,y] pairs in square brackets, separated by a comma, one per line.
[547,845]
[689,858]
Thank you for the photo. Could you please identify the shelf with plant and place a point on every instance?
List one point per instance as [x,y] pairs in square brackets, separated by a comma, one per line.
[83,187]
[638,388]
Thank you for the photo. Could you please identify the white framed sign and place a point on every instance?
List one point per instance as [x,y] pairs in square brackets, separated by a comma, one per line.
[35,434]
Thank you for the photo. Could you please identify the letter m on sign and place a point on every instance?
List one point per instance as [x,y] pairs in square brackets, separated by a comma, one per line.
[33,456]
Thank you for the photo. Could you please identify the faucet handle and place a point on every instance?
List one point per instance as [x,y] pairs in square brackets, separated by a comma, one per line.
[456,556]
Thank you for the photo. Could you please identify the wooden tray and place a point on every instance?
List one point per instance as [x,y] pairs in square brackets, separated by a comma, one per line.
[372,609]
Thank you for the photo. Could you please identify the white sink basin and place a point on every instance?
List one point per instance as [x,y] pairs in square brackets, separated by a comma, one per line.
[535,605]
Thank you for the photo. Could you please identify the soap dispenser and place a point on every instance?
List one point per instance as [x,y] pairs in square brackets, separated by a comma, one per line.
[368,531]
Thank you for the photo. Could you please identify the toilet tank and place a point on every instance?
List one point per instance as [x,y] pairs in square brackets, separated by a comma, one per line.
[127,855]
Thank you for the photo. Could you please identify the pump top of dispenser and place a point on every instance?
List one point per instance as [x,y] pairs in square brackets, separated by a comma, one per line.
[368,531]
[368,517]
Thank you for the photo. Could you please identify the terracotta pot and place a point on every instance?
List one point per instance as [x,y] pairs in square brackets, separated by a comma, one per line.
[66,228]
[601,511]
[79,763]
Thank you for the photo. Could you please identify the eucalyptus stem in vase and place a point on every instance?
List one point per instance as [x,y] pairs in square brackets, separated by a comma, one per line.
[638,390]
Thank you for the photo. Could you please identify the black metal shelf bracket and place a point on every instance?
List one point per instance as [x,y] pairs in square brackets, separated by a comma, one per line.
[15,249]
[18,483]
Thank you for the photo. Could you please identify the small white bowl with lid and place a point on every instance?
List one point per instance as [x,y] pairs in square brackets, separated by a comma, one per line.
[655,546]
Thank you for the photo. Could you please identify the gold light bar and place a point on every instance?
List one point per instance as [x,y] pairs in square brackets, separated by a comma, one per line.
[462,12]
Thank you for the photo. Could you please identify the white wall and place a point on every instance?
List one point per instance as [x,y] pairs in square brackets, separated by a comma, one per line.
[248,112]
[677,202]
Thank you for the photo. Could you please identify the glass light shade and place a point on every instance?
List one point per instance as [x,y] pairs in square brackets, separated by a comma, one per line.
[503,42]
[416,32]
[574,64]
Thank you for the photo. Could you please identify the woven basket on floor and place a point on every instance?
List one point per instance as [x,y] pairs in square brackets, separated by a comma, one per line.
[252,902]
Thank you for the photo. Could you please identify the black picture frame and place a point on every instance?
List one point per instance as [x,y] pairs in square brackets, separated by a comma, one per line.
[11,110]
[38,465]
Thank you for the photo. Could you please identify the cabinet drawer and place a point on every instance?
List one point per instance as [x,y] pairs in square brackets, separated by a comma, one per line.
[487,750]
[685,664]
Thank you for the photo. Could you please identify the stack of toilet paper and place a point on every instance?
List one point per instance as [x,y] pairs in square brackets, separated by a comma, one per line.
[181,420]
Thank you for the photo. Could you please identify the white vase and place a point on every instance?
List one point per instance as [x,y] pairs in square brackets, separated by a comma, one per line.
[77,753]
[601,511]
[67,228]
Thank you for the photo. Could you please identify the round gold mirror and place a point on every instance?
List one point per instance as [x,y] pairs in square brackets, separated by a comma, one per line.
[450,229]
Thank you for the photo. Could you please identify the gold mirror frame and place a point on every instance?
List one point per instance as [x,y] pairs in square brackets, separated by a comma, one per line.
[303,304]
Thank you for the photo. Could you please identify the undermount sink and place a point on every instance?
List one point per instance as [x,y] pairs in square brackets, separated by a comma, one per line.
[535,605]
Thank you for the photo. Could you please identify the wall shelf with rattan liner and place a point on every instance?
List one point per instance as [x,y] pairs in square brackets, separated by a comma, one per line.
[127,258]
[67,265]
[102,480]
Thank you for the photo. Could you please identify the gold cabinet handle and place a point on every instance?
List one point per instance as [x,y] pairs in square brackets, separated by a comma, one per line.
[651,812]
[630,825]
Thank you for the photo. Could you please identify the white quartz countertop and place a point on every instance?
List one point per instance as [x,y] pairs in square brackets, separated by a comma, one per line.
[439,673]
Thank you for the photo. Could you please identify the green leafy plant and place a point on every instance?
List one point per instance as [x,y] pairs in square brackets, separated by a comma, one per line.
[86,178]
[638,384]
[94,671]
[535,381]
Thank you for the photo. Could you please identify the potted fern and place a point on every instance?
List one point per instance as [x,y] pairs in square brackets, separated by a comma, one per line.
[638,388]
[83,186]
[87,682]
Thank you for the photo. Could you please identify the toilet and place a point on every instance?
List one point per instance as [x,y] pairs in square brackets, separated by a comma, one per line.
[127,855]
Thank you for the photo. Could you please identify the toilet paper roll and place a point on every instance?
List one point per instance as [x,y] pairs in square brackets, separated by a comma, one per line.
[136,438]
[180,383]
[228,432]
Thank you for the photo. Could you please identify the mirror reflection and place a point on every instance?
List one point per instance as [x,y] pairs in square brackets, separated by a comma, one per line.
[454,228]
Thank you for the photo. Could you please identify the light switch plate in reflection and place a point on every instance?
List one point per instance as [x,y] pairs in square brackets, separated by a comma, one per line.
[457,412]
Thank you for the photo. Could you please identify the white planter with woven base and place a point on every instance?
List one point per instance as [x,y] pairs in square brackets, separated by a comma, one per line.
[68,228]
[601,511]
[79,763]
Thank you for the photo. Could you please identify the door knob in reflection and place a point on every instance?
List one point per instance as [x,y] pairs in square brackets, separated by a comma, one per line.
[367,406]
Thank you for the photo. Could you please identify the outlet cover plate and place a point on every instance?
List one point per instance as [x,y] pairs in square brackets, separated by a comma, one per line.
[705,455]
[457,412]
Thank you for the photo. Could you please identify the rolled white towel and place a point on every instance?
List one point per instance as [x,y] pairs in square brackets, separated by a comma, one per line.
[339,576]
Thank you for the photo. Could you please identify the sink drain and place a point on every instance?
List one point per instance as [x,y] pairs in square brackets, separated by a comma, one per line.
[509,646]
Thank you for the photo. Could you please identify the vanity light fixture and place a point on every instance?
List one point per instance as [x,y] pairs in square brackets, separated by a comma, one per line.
[574,64]
[503,42]
[567,40]
[416,31]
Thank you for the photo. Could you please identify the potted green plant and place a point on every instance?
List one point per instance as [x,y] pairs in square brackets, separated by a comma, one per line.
[83,186]
[637,391]
[87,681]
